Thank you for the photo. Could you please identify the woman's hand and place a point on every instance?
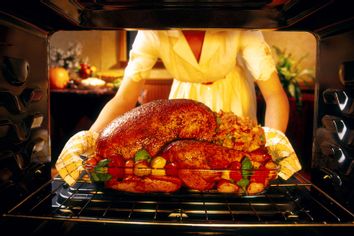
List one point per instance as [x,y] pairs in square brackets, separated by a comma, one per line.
[69,163]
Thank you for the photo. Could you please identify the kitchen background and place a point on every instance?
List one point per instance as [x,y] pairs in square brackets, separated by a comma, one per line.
[107,50]
[75,105]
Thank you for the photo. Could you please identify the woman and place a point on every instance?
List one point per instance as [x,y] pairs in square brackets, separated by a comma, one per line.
[216,67]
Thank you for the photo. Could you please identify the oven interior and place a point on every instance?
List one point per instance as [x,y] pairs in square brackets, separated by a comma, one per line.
[321,201]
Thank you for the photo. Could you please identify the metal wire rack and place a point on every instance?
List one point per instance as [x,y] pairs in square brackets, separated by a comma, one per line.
[292,203]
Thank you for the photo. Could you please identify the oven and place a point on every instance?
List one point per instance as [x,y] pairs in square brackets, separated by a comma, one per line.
[32,201]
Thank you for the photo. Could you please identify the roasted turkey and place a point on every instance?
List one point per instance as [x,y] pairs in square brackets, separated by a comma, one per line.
[164,145]
[155,124]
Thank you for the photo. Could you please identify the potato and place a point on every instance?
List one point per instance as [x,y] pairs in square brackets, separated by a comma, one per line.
[227,187]
[254,188]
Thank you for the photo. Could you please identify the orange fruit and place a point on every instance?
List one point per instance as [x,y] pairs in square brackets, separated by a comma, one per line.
[59,77]
[93,69]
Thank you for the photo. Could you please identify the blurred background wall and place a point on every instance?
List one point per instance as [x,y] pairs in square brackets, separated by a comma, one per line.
[107,49]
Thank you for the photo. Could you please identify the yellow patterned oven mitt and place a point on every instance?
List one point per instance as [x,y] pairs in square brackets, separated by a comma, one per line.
[282,152]
[69,163]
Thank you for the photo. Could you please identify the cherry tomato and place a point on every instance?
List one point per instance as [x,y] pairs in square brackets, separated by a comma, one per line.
[260,155]
[235,171]
[171,169]
[116,166]
[260,175]
[235,175]
[116,161]
[90,163]
[235,165]
[116,172]
[129,167]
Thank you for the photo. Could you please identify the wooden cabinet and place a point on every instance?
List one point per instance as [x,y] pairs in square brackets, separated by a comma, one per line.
[155,89]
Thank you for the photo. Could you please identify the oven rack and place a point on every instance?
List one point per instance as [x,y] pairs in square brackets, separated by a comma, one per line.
[292,203]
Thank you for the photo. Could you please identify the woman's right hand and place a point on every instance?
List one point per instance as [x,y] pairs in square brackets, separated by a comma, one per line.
[69,163]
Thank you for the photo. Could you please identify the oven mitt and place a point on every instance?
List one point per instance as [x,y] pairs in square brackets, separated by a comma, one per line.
[282,152]
[69,163]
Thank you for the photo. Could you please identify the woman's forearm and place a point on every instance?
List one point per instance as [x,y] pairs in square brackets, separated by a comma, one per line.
[123,101]
[109,112]
[277,112]
[277,103]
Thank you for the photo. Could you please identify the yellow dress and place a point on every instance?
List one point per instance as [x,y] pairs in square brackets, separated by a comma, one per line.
[223,79]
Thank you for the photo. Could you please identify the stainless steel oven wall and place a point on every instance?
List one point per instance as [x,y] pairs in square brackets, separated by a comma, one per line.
[24,138]
[333,160]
